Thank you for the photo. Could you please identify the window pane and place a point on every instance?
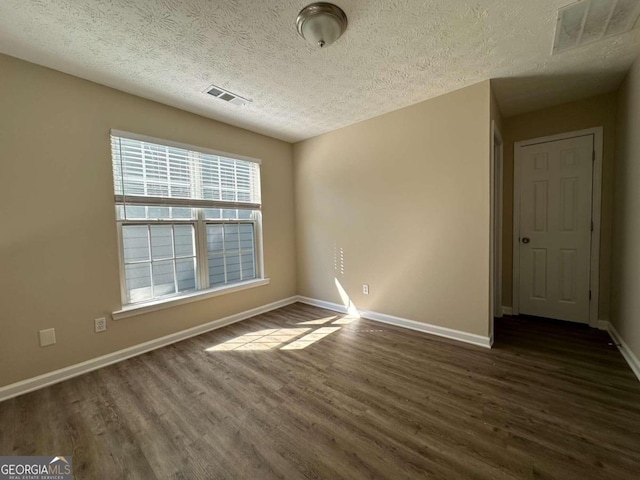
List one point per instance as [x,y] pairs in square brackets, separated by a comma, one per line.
[136,243]
[210,193]
[135,213]
[140,212]
[161,242]
[231,238]
[157,275]
[163,278]
[159,212]
[144,168]
[233,268]
[138,281]
[186,274]
[227,214]
[216,271]
[181,213]
[157,189]
[215,238]
[134,187]
[245,214]
[231,249]
[246,237]
[184,240]
[212,213]
[248,266]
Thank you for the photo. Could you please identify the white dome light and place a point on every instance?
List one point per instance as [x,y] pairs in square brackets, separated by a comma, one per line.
[321,23]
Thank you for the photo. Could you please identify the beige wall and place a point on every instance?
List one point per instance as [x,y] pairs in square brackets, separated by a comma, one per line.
[401,202]
[591,112]
[58,252]
[625,298]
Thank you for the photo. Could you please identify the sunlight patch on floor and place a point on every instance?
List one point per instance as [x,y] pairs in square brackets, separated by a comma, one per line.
[346,320]
[320,321]
[296,338]
[260,340]
[310,338]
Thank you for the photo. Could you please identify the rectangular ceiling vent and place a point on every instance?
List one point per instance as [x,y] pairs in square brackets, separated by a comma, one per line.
[588,21]
[226,95]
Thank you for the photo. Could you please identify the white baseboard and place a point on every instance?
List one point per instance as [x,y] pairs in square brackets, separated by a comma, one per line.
[46,379]
[626,352]
[603,325]
[405,323]
[323,304]
[428,328]
[507,310]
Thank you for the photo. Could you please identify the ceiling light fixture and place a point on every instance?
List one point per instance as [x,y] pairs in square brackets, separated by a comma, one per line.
[321,23]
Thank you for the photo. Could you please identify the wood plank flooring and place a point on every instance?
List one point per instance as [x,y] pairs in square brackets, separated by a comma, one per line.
[302,392]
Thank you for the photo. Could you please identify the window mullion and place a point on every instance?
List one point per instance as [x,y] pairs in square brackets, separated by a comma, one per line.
[240,253]
[173,251]
[153,293]
[196,191]
[202,255]
[224,252]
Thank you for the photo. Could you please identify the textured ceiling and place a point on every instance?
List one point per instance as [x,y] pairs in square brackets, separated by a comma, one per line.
[394,53]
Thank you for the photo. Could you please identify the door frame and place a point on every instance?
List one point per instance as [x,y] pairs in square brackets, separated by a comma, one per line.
[596,207]
[497,188]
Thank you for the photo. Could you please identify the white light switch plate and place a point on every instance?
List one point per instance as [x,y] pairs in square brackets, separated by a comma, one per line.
[47,337]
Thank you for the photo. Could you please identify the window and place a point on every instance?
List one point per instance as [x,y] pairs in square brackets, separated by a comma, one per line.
[188,218]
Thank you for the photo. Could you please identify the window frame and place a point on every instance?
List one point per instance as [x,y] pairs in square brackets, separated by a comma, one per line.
[205,250]
[199,223]
[151,261]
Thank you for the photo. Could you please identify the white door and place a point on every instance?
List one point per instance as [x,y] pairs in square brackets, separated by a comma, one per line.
[555,228]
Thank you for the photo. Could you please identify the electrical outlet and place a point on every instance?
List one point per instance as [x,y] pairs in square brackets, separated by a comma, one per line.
[47,337]
[365,289]
[100,324]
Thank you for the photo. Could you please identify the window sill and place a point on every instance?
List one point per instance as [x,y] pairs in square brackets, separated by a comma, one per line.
[139,309]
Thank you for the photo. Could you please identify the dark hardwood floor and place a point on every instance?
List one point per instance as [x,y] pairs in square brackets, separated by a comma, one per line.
[304,393]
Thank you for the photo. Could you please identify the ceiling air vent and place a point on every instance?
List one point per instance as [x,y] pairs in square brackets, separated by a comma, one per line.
[588,21]
[226,95]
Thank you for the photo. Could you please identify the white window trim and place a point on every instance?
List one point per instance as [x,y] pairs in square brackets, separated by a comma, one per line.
[163,303]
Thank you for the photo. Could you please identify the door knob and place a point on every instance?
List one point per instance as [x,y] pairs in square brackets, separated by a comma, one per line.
[526,240]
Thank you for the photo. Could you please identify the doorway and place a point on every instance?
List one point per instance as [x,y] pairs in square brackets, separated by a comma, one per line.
[556,242]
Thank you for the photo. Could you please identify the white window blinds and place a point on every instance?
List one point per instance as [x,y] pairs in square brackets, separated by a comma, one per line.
[148,173]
